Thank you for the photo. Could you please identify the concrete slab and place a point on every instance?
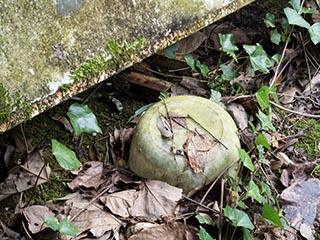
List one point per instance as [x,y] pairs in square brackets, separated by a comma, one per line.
[51,50]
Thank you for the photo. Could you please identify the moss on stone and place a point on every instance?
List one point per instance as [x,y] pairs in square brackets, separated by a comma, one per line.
[5,104]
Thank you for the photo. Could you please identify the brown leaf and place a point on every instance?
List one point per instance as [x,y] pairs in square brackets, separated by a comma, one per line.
[239,115]
[156,199]
[191,43]
[196,148]
[119,203]
[297,173]
[301,204]
[164,127]
[119,141]
[171,231]
[288,95]
[33,172]
[35,216]
[93,218]
[89,176]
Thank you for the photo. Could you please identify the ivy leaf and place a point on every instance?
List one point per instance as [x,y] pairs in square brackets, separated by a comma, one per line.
[170,51]
[266,191]
[52,222]
[276,57]
[228,45]
[203,68]
[258,58]
[237,217]
[254,192]
[246,234]
[262,140]
[204,219]
[228,73]
[275,36]
[295,19]
[82,119]
[314,32]
[265,121]
[203,235]
[263,97]
[269,20]
[67,228]
[295,4]
[262,158]
[66,158]
[190,61]
[246,160]
[271,215]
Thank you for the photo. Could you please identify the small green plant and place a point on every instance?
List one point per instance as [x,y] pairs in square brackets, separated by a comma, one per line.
[64,226]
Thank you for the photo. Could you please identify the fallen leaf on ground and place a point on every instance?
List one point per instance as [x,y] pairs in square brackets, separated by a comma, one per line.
[191,43]
[296,173]
[89,176]
[33,172]
[35,216]
[301,205]
[119,203]
[239,115]
[156,199]
[288,95]
[119,141]
[93,218]
[171,231]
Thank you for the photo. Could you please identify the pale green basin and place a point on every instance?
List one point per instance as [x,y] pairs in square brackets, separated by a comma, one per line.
[192,156]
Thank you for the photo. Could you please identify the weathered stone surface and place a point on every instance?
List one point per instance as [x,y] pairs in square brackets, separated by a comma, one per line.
[44,42]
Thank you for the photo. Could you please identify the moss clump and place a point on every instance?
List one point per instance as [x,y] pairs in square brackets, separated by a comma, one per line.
[120,53]
[311,141]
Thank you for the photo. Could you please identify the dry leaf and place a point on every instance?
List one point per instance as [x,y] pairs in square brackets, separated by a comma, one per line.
[171,231]
[288,95]
[33,172]
[239,115]
[313,85]
[35,216]
[89,176]
[164,127]
[119,203]
[301,204]
[156,199]
[191,43]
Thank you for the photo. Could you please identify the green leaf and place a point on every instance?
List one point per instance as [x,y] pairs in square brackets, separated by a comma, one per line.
[271,215]
[295,4]
[237,217]
[140,111]
[276,57]
[52,222]
[265,121]
[246,160]
[285,25]
[203,68]
[203,235]
[215,96]
[190,61]
[269,20]
[228,45]
[67,228]
[242,205]
[66,158]
[263,97]
[262,140]
[310,10]
[254,192]
[273,93]
[258,58]
[204,219]
[228,73]
[170,51]
[275,36]
[266,191]
[314,33]
[246,234]
[262,158]
[82,119]
[295,19]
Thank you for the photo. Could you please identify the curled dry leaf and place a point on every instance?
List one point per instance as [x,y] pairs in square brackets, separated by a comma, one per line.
[35,216]
[171,231]
[288,95]
[156,199]
[297,173]
[238,114]
[301,204]
[33,172]
[191,43]
[164,126]
[89,176]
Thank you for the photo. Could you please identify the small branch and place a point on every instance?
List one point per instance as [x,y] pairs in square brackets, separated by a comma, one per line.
[295,112]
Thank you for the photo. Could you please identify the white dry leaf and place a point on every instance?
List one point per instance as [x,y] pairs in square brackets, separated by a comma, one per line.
[288,95]
[119,203]
[311,87]
[157,199]
[239,115]
[35,216]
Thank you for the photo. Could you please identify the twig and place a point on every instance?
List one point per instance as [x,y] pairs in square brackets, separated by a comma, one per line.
[221,205]
[200,204]
[293,111]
